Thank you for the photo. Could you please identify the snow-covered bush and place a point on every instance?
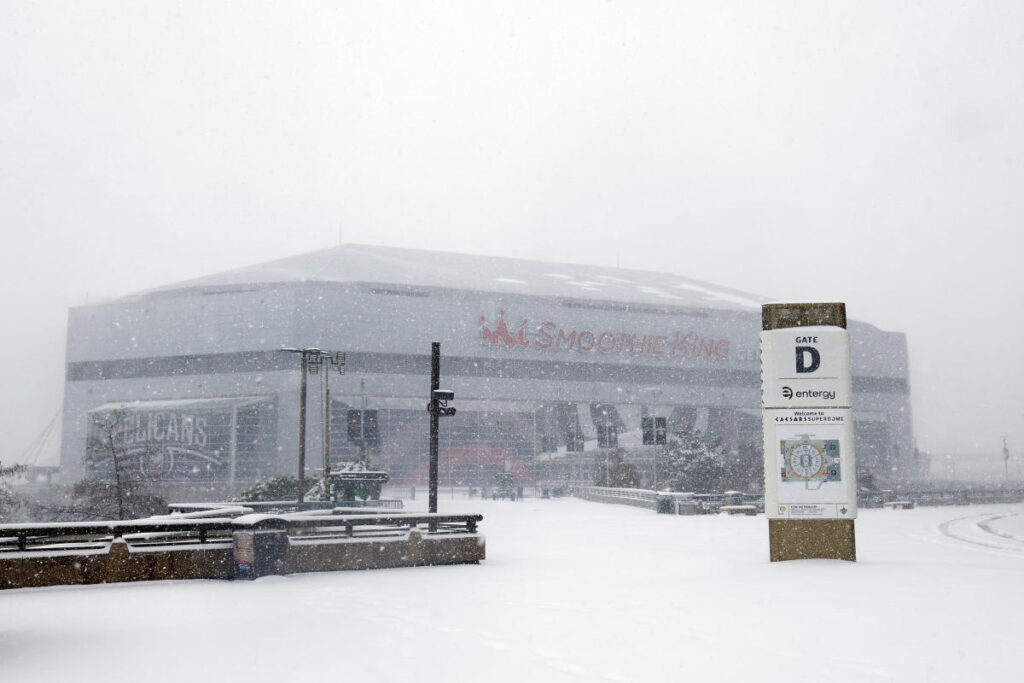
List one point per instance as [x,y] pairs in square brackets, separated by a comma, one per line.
[688,463]
[283,487]
[9,501]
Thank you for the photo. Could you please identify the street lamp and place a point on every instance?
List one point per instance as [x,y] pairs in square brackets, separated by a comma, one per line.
[312,359]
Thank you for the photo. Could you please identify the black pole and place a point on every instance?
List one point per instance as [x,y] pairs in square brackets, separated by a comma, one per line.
[327,431]
[435,384]
[302,433]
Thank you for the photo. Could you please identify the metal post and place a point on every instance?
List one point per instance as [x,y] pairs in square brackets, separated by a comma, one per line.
[435,384]
[607,453]
[327,429]
[655,466]
[1006,459]
[234,446]
[362,415]
[302,431]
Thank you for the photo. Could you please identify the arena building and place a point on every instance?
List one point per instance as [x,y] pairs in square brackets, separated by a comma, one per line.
[548,363]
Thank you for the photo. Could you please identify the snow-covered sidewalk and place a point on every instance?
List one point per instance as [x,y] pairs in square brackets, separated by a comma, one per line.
[571,591]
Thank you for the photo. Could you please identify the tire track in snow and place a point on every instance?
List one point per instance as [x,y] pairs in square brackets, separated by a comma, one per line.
[977,530]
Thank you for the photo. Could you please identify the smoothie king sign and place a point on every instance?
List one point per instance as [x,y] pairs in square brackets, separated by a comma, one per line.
[550,335]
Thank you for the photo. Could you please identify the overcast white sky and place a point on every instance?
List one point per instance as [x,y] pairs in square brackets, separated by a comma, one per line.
[870,152]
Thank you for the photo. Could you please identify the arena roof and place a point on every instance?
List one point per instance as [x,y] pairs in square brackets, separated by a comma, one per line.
[411,268]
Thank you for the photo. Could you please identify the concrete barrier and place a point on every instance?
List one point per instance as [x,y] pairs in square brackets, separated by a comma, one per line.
[114,563]
[119,562]
[416,550]
[260,545]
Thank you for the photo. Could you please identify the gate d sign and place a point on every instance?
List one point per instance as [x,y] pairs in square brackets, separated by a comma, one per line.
[810,475]
[801,356]
[805,366]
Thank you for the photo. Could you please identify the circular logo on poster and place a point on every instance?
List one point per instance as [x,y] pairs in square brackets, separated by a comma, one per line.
[156,463]
[805,460]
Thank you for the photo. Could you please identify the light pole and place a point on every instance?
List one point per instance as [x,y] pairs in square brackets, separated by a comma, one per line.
[362,418]
[1006,459]
[312,359]
[338,360]
[607,453]
[655,469]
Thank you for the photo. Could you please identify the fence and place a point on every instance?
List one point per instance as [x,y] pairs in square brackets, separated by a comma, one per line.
[732,501]
[966,495]
[196,545]
[644,498]
[282,506]
[341,522]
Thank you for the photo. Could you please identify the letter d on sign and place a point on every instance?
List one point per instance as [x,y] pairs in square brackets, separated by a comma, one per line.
[800,355]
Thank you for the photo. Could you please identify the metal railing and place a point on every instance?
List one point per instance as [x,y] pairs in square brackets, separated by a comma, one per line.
[703,502]
[713,502]
[346,524]
[289,505]
[966,495]
[645,495]
[167,530]
[85,535]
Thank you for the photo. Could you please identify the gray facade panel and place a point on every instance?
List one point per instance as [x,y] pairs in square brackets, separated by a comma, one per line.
[406,364]
[511,359]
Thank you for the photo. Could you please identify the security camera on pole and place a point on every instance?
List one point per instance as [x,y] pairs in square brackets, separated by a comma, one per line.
[437,407]
[810,474]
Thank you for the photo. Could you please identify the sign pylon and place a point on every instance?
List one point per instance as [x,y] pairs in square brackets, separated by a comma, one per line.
[809,467]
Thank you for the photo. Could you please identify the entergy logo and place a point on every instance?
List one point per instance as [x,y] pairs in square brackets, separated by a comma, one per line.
[501,334]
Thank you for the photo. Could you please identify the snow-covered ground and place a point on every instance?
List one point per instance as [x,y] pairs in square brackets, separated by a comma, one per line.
[571,591]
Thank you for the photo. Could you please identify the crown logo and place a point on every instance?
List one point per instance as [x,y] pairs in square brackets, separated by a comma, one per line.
[501,334]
